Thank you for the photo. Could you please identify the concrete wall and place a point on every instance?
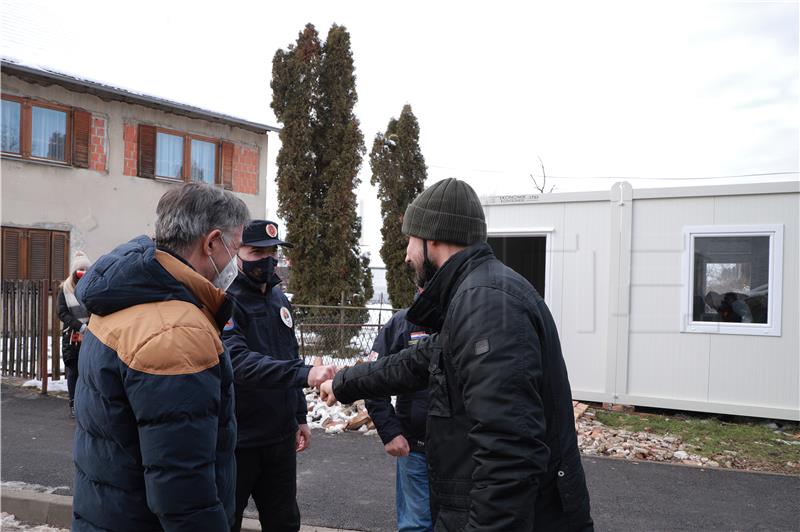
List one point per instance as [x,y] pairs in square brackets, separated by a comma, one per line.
[102,208]
[615,274]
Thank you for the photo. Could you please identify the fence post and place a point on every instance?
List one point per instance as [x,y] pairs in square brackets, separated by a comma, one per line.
[380,308]
[12,341]
[302,342]
[26,330]
[55,334]
[5,285]
[341,326]
[43,325]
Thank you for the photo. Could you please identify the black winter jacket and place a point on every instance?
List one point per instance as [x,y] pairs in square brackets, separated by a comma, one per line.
[269,375]
[502,449]
[69,349]
[408,415]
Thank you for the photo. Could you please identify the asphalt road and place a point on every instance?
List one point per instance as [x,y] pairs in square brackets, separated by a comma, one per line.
[347,481]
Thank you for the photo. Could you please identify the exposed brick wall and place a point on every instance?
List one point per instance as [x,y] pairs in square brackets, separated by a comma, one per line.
[245,169]
[245,161]
[129,136]
[98,157]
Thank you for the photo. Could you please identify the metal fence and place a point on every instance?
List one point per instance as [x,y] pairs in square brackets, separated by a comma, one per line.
[30,330]
[31,339]
[338,334]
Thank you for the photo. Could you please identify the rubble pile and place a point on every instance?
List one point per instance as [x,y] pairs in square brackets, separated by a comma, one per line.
[594,438]
[337,418]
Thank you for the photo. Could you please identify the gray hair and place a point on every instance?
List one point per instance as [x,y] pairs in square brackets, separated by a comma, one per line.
[193,210]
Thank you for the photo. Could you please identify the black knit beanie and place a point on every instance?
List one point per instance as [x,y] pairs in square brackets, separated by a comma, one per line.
[449,211]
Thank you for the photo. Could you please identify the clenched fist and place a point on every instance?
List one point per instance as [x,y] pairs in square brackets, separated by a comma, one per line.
[398,446]
[320,374]
[326,393]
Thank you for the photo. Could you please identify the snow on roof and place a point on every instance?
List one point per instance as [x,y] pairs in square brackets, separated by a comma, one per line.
[106,91]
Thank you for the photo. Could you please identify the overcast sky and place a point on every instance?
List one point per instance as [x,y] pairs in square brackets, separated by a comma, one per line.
[659,91]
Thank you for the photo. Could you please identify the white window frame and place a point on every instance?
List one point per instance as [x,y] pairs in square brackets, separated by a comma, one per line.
[775,299]
[546,232]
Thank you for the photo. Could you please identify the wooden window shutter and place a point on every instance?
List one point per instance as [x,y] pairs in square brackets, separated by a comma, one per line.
[147,151]
[59,255]
[82,131]
[13,253]
[226,165]
[38,254]
[25,129]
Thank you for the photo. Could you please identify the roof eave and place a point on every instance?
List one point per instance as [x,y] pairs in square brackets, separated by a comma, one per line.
[109,93]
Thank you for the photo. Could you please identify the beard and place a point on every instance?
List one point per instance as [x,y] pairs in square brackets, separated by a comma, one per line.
[424,273]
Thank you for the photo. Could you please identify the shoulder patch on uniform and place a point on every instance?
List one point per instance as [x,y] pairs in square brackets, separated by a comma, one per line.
[229,325]
[286,317]
[482,346]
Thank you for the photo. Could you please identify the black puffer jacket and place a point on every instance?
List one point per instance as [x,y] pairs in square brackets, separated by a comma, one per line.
[502,449]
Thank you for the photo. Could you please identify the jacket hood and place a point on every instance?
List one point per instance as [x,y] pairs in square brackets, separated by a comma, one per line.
[136,273]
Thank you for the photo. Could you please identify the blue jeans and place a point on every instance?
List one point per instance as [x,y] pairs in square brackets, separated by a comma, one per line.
[413,498]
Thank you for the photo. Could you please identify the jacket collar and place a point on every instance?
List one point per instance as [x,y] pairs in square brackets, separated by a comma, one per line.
[429,309]
[213,302]
[256,287]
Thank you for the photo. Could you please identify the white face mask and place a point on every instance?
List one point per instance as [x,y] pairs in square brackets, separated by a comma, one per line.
[225,277]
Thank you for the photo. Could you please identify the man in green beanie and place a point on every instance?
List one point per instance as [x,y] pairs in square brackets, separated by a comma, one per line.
[501,444]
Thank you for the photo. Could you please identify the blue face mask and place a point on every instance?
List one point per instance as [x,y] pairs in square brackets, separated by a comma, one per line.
[260,271]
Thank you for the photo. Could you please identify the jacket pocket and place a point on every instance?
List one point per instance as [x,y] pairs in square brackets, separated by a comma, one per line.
[571,485]
[438,395]
[451,520]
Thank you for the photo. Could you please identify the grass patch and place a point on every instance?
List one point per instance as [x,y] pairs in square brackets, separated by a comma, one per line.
[756,445]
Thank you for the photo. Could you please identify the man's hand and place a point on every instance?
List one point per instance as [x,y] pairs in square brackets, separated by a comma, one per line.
[398,446]
[326,393]
[320,374]
[303,438]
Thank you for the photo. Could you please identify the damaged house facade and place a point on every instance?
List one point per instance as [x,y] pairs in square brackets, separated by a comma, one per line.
[84,165]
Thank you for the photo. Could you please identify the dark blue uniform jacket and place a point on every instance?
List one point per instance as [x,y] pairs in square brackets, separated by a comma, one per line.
[268,372]
[408,416]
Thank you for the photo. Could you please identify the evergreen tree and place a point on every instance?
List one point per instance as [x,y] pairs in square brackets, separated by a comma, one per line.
[399,171]
[322,147]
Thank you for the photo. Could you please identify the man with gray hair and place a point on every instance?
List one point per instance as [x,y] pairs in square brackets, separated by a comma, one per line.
[156,429]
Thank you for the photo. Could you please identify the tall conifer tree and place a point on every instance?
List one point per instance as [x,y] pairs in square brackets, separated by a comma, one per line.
[314,94]
[399,171]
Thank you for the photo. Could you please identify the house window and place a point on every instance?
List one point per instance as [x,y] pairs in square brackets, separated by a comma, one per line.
[43,131]
[169,155]
[48,133]
[181,156]
[734,280]
[204,161]
[12,111]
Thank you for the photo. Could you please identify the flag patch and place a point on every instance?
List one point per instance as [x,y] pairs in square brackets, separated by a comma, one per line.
[416,336]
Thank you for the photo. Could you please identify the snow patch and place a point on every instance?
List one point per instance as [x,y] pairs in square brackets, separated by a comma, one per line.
[52,386]
[8,522]
[38,488]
